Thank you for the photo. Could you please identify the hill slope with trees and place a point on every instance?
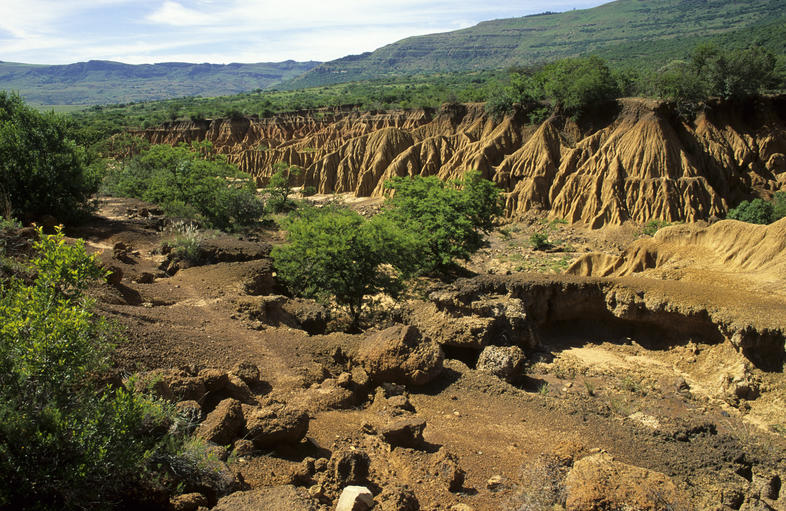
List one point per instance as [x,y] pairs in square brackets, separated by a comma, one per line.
[624,31]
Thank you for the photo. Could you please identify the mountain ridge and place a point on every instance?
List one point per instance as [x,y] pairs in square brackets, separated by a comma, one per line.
[615,31]
[105,81]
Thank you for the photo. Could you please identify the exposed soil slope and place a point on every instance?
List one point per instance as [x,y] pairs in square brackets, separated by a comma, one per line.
[728,253]
[680,382]
[639,163]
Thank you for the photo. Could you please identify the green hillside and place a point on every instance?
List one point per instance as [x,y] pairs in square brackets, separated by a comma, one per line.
[623,32]
[101,82]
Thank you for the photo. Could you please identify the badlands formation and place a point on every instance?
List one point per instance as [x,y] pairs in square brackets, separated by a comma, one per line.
[637,162]
[647,376]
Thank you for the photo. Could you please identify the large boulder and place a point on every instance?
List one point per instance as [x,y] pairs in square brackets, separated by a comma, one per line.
[224,424]
[277,424]
[401,355]
[285,497]
[599,483]
[504,362]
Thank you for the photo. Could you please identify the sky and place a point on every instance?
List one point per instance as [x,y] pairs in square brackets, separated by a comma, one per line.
[220,32]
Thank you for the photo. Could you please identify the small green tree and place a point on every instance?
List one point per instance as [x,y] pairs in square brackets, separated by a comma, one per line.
[449,218]
[279,189]
[334,252]
[42,169]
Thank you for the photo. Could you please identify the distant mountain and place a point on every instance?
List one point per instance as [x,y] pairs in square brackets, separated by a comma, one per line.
[631,31]
[101,81]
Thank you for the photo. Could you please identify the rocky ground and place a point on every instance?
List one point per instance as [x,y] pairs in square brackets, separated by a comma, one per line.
[502,390]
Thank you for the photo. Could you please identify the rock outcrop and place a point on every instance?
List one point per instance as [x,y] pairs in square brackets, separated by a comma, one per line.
[639,164]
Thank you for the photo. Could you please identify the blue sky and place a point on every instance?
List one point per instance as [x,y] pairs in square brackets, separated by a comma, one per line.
[147,31]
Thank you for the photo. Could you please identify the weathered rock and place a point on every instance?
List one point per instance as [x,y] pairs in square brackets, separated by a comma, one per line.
[348,467]
[213,379]
[506,363]
[115,275]
[243,447]
[145,278]
[461,507]
[401,355]
[223,424]
[355,498]
[328,395]
[446,468]
[285,498]
[308,315]
[238,389]
[188,502]
[404,432]
[599,482]
[277,424]
[301,475]
[247,372]
[495,482]
[186,388]
[398,498]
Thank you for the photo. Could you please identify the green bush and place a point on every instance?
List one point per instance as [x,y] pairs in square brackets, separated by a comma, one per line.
[654,226]
[540,241]
[334,252]
[448,218]
[577,85]
[65,442]
[42,169]
[759,211]
[278,188]
[309,190]
[187,185]
[572,86]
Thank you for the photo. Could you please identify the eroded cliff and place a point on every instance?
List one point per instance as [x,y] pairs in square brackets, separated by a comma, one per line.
[639,163]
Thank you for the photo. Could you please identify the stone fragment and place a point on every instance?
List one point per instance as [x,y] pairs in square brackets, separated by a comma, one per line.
[401,355]
[222,425]
[355,498]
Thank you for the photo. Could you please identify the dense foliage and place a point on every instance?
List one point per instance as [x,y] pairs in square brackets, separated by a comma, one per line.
[43,171]
[571,86]
[427,224]
[278,188]
[187,183]
[65,442]
[759,211]
[710,72]
[449,218]
[337,253]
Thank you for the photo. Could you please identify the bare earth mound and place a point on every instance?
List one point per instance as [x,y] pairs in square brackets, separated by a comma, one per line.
[730,254]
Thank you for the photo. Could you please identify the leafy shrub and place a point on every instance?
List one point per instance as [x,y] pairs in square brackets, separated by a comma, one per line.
[186,185]
[66,443]
[540,241]
[335,252]
[756,211]
[577,85]
[654,226]
[42,169]
[279,189]
[572,86]
[308,191]
[448,218]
